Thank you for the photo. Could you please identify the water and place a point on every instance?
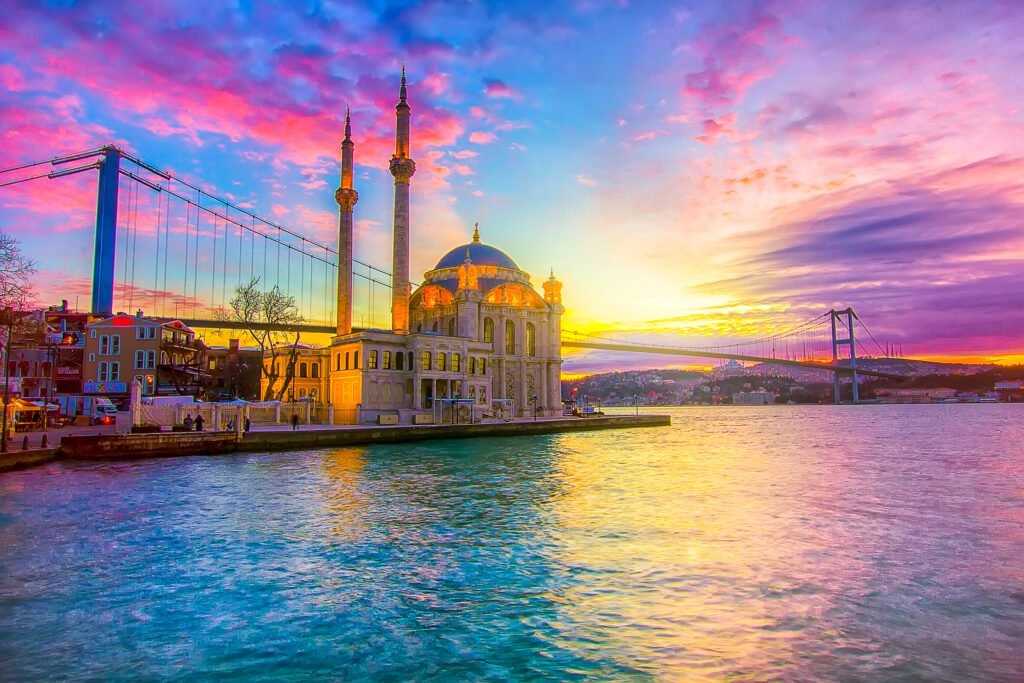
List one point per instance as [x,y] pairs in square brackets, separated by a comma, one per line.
[802,543]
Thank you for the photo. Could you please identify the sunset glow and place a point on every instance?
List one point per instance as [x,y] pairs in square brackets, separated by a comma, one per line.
[699,172]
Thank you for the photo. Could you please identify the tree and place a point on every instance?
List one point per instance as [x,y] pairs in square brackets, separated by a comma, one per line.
[266,317]
[16,271]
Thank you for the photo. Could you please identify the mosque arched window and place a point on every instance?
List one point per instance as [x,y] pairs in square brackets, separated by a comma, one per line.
[488,331]
[433,328]
[303,370]
[531,340]
[510,337]
[451,327]
[399,361]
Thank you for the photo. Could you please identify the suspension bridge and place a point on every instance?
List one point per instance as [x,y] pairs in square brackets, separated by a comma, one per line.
[177,249]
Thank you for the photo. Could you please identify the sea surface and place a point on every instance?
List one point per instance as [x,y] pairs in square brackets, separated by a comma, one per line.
[751,543]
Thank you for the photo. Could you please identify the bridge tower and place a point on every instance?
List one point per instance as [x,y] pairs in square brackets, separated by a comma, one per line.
[402,168]
[346,198]
[106,233]
[836,317]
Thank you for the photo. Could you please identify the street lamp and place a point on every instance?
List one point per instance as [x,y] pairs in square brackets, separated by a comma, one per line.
[534,398]
[9,320]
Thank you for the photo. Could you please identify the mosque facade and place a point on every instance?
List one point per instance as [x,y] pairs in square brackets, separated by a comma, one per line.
[475,330]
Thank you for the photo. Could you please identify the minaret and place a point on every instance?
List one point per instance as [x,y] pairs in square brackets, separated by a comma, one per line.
[402,168]
[346,198]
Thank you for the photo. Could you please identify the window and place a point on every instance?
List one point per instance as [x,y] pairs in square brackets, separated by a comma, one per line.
[355,360]
[419,327]
[289,368]
[303,370]
[140,361]
[412,361]
[425,358]
[386,365]
[315,367]
[92,357]
[451,327]
[150,384]
[510,337]
[456,362]
[337,362]
[104,345]
[138,378]
[371,359]
[483,366]
[115,344]
[488,331]
[115,372]
[442,361]
[531,340]
[399,361]
[433,327]
[101,374]
[472,365]
[302,393]
[150,359]
[145,333]
[348,359]
[92,334]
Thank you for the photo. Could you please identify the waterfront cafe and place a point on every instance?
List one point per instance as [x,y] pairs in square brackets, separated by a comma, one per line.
[23,416]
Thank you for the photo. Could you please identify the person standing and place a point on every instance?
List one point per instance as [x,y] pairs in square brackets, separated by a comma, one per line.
[199,423]
[295,421]
[187,423]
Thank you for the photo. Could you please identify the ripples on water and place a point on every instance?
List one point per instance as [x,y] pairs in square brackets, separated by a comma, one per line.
[741,543]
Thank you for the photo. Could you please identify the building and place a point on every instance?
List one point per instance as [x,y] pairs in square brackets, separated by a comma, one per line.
[475,329]
[753,398]
[165,357]
[917,395]
[232,371]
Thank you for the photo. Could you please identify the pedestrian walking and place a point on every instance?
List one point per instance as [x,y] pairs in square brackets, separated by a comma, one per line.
[295,421]
[247,424]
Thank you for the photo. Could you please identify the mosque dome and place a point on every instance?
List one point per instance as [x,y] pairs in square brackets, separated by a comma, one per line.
[480,254]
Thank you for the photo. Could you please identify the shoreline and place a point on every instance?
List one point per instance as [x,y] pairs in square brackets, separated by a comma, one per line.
[111,447]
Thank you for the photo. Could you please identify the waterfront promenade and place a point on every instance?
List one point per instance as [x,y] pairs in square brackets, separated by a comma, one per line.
[100,442]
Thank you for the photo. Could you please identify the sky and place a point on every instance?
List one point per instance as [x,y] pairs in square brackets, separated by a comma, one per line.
[693,172]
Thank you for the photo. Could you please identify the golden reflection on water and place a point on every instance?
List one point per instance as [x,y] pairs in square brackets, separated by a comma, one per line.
[674,562]
[346,501]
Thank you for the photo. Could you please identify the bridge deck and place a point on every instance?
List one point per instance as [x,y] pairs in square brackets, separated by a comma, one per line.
[571,344]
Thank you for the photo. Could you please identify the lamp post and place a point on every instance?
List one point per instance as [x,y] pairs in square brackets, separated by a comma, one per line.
[534,398]
[636,406]
[9,320]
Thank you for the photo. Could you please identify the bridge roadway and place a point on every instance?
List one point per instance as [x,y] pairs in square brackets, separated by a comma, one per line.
[570,344]
[694,353]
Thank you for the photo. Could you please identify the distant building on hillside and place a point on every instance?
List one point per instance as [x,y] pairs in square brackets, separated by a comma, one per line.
[753,398]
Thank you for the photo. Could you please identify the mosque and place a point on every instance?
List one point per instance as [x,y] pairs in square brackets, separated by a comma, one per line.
[475,330]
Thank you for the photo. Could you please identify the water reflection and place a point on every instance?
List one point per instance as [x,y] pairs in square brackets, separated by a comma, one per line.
[795,543]
[344,495]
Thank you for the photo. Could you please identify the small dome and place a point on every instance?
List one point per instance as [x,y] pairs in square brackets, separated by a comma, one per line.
[480,254]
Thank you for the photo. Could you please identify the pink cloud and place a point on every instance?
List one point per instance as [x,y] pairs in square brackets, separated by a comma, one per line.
[463,169]
[482,138]
[498,89]
[735,57]
[464,154]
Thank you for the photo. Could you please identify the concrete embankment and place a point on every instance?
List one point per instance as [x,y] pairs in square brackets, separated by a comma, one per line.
[361,436]
[17,460]
[170,444]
